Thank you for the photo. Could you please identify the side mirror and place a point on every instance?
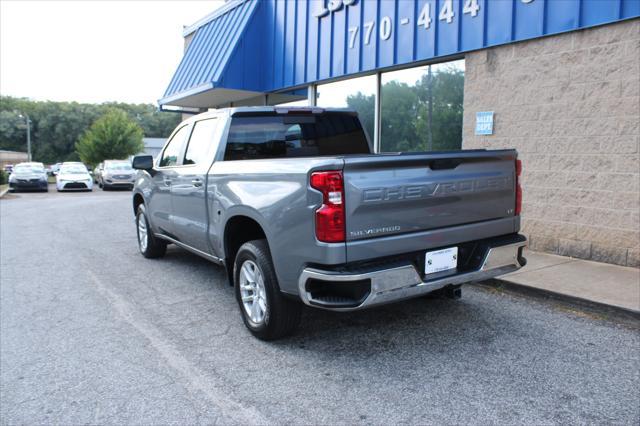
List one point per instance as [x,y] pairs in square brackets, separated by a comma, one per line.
[142,162]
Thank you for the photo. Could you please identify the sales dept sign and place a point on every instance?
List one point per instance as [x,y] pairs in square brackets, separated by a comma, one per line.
[484,123]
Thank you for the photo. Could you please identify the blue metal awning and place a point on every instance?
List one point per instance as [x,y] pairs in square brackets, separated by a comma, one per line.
[214,56]
[248,48]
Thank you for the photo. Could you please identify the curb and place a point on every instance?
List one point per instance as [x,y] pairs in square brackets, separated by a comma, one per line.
[578,302]
[3,192]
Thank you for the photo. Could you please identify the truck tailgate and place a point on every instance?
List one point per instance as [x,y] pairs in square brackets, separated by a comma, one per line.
[401,194]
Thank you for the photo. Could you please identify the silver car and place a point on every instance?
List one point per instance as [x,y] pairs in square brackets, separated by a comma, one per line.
[97,172]
[116,174]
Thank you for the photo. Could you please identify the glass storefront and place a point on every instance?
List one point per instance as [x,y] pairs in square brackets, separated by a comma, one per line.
[292,98]
[421,108]
[357,93]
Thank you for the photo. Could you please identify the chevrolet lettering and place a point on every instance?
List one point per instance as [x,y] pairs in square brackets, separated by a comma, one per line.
[410,192]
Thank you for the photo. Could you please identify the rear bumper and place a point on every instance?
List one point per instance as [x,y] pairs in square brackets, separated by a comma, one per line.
[386,284]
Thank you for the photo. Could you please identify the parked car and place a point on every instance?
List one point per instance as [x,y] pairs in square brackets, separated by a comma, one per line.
[296,207]
[28,177]
[117,174]
[8,168]
[74,163]
[97,171]
[73,176]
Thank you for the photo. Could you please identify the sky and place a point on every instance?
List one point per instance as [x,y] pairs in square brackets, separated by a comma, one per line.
[93,51]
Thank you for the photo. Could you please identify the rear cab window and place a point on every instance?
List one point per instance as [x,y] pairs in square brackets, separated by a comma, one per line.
[295,135]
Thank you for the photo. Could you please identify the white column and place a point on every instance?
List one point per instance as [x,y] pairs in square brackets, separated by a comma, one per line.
[311,94]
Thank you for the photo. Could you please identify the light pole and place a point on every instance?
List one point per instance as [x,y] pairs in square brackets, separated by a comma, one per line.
[26,117]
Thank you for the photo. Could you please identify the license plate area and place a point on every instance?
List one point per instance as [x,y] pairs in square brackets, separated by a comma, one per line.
[440,260]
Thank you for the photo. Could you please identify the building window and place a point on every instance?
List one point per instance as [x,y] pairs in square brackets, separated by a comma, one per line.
[291,98]
[356,93]
[421,108]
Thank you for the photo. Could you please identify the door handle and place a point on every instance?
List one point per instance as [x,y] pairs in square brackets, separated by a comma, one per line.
[197,182]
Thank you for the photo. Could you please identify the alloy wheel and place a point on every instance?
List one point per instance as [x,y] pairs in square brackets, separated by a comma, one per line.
[142,233]
[253,292]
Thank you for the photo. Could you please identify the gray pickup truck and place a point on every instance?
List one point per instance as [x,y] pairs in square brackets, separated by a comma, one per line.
[297,208]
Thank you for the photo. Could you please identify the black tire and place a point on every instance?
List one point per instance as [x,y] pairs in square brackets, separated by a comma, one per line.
[106,187]
[100,185]
[155,247]
[282,315]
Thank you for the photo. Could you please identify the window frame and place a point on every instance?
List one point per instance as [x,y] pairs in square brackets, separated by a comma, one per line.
[182,151]
[186,148]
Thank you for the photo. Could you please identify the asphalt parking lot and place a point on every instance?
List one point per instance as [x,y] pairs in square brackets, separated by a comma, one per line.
[91,332]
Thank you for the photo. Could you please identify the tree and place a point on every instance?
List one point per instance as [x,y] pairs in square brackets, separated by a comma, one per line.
[57,126]
[113,136]
[397,125]
[365,106]
[447,86]
[405,124]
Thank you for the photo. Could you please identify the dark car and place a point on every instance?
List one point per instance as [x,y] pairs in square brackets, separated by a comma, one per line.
[28,177]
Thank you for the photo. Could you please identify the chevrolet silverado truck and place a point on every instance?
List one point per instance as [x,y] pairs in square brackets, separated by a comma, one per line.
[297,208]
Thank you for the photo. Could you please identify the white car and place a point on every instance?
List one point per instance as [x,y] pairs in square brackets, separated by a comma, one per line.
[73,177]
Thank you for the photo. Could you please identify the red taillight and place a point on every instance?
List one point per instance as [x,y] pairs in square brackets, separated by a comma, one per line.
[518,187]
[330,226]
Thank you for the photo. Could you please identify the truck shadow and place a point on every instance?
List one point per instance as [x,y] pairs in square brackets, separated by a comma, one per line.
[421,322]
[415,322]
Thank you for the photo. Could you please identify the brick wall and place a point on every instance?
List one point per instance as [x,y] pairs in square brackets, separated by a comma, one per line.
[570,105]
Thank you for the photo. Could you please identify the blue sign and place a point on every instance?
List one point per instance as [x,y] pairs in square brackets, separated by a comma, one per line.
[484,123]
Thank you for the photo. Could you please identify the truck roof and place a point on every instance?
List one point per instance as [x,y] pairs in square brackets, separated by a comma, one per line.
[267,109]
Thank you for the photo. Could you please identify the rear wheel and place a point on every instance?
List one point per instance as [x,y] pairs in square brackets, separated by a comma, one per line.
[150,246]
[265,311]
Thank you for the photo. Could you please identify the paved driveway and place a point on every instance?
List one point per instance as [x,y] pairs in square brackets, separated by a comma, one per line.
[91,332]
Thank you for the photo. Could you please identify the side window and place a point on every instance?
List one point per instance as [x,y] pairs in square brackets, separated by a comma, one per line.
[174,147]
[202,142]
[252,138]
